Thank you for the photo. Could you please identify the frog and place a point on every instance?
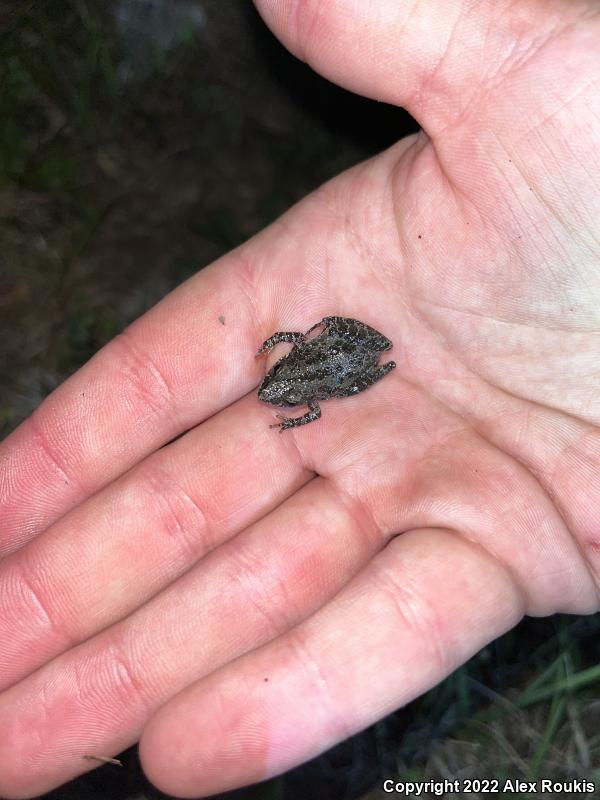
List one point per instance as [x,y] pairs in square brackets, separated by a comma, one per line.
[342,360]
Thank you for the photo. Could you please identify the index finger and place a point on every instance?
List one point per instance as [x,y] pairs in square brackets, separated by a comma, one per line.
[173,367]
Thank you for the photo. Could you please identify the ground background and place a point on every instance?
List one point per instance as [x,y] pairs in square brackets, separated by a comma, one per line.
[140,140]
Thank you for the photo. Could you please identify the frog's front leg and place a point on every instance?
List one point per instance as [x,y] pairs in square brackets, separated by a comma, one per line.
[366,379]
[281,336]
[313,413]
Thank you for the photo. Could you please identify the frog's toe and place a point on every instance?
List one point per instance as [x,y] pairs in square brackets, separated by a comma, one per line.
[286,422]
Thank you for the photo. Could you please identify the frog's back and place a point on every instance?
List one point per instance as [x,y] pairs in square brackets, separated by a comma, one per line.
[324,364]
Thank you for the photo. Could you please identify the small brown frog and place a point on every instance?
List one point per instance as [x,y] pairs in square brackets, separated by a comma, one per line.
[338,362]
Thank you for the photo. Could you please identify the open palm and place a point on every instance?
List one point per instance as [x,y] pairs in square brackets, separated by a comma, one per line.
[242,600]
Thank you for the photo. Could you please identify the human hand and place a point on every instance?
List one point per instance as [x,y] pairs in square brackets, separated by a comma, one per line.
[242,600]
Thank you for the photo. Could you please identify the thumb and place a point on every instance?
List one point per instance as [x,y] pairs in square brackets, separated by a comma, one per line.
[433,57]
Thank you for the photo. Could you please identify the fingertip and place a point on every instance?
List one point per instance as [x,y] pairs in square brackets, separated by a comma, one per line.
[280,17]
[192,747]
[162,752]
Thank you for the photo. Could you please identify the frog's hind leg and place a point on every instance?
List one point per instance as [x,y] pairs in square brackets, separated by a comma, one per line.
[321,324]
[281,336]
[368,378]
[313,413]
[357,332]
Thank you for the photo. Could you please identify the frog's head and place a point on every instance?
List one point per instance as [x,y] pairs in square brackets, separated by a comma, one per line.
[278,390]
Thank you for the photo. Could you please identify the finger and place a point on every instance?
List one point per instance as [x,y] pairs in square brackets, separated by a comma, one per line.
[112,553]
[96,697]
[425,605]
[434,58]
[173,367]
